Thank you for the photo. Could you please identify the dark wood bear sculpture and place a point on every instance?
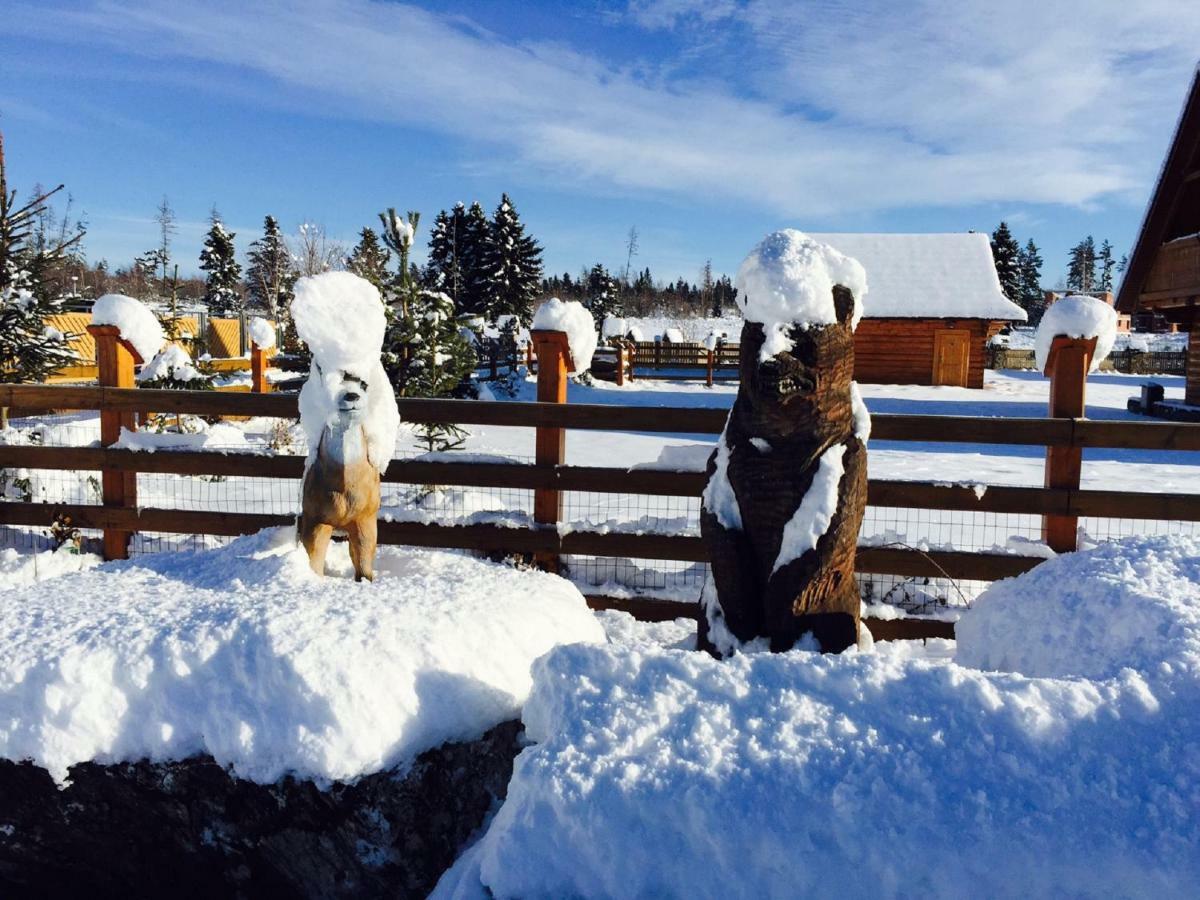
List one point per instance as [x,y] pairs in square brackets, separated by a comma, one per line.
[789,411]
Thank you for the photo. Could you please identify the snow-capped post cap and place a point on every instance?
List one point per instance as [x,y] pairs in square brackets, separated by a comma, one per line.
[787,281]
[340,317]
[1080,317]
[571,318]
[138,326]
[262,333]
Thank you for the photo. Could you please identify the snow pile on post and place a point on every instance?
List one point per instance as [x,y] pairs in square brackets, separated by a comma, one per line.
[245,654]
[614,326]
[883,773]
[571,317]
[171,362]
[340,317]
[137,324]
[1076,317]
[262,333]
[787,281]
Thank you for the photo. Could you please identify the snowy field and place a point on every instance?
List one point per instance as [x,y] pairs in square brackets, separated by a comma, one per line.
[1022,394]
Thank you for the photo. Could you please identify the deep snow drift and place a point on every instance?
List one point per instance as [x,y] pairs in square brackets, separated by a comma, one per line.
[659,772]
[1076,317]
[245,654]
[788,279]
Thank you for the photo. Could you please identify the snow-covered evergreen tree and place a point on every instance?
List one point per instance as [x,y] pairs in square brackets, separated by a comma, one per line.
[602,297]
[1107,264]
[269,275]
[222,294]
[512,265]
[369,259]
[1006,254]
[1081,268]
[29,350]
[1032,299]
[447,244]
[476,283]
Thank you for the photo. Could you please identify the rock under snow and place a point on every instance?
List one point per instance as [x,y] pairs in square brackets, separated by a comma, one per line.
[262,333]
[884,773]
[244,654]
[787,281]
[571,317]
[1076,317]
[137,324]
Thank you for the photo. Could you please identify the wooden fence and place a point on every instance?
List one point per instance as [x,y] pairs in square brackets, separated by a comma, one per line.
[547,479]
[1128,362]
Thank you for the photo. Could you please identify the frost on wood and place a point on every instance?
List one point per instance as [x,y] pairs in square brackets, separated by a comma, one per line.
[244,654]
[571,317]
[137,324]
[1076,317]
[787,486]
[787,282]
[1052,757]
[262,333]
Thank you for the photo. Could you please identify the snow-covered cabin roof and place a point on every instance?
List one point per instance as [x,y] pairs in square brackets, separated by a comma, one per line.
[911,276]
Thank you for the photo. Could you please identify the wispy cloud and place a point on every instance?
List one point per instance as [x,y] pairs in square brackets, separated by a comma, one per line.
[839,107]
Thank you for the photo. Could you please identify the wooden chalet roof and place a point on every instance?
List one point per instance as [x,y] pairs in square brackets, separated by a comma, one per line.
[1174,209]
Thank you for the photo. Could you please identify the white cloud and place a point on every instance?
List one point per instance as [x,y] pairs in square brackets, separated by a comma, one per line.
[933,104]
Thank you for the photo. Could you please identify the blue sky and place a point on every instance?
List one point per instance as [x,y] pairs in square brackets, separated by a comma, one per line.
[705,124]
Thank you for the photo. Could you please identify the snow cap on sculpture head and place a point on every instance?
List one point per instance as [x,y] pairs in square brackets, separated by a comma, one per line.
[340,317]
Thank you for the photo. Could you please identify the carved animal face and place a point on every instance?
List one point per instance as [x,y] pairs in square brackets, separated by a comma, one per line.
[351,398]
[810,381]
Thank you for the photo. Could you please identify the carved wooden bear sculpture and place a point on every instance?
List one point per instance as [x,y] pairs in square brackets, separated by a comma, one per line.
[787,487]
[341,486]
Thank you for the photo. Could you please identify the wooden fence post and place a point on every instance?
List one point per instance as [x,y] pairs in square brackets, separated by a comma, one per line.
[1067,366]
[258,370]
[708,381]
[115,359]
[620,363]
[550,444]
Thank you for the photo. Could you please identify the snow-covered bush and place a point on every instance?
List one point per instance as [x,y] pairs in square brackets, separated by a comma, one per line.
[173,369]
[1076,317]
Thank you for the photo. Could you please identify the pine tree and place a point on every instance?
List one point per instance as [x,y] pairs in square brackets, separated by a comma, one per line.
[1032,300]
[602,297]
[269,275]
[1107,264]
[369,259]
[444,265]
[1081,267]
[476,283]
[29,351]
[512,266]
[707,284]
[724,294]
[221,288]
[1005,253]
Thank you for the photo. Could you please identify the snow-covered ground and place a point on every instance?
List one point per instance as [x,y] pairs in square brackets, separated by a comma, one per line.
[1055,753]
[1022,338]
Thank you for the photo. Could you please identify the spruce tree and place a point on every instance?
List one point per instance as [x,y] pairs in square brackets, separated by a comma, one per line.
[1081,266]
[476,283]
[29,351]
[602,296]
[218,259]
[369,259]
[1107,264]
[1032,300]
[447,244]
[512,266]
[1006,252]
[269,275]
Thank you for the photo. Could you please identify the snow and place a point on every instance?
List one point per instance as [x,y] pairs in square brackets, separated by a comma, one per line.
[262,333]
[718,497]
[1129,605]
[172,361]
[220,437]
[137,324]
[673,335]
[245,654]
[613,326]
[862,416]
[1077,317]
[18,569]
[898,771]
[787,281]
[919,275]
[572,317]
[816,510]
[681,458]
[340,317]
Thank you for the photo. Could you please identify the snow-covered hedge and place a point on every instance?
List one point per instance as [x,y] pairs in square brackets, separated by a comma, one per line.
[878,774]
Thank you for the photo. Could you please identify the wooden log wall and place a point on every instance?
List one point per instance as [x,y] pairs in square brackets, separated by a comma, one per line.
[900,351]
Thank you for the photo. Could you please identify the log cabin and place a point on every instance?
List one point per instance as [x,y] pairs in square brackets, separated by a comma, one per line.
[932,303]
[1163,277]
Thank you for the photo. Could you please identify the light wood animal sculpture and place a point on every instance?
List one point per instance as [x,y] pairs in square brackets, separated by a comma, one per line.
[341,487]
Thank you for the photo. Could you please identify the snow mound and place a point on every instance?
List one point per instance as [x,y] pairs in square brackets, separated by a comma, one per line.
[138,325]
[245,654]
[1132,604]
[18,568]
[1076,317]
[262,333]
[659,772]
[172,361]
[614,326]
[569,316]
[340,317]
[787,281]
